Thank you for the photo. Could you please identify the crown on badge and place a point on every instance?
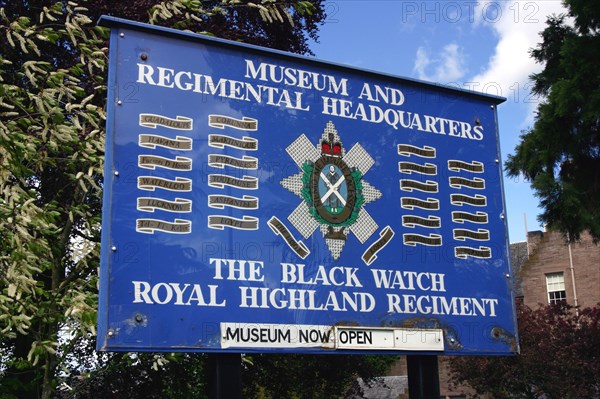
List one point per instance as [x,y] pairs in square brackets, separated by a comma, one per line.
[331,147]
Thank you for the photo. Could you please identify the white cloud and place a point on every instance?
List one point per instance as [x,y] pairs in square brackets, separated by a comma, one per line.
[452,66]
[517,27]
[449,67]
[421,63]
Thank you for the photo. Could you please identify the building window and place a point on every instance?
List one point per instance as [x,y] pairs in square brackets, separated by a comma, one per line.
[555,282]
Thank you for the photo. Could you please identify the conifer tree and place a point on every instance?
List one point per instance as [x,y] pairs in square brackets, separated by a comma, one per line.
[560,155]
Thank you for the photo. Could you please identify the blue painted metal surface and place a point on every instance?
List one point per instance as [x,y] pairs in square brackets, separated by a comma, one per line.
[254,200]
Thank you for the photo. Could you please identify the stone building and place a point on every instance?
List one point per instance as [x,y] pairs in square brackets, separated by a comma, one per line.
[554,270]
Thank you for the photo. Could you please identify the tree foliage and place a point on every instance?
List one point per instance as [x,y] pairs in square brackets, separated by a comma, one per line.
[560,155]
[266,376]
[52,108]
[309,376]
[559,359]
[132,375]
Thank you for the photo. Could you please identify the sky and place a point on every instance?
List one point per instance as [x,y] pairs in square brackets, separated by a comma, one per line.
[473,45]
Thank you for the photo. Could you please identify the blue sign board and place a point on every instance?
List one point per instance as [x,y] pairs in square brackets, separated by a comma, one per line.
[261,201]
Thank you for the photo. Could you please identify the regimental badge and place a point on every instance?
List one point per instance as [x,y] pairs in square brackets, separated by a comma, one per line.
[332,190]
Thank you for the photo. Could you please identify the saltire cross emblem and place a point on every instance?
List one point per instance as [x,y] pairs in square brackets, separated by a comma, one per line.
[332,190]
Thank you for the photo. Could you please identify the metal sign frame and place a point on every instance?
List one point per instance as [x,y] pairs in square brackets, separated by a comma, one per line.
[256,200]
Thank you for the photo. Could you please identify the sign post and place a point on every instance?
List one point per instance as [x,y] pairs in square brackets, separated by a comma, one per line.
[423,377]
[257,201]
[225,376]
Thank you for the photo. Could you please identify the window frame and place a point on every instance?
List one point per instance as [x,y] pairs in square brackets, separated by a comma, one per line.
[555,288]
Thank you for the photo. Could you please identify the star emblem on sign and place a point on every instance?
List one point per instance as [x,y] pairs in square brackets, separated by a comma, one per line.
[333,191]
